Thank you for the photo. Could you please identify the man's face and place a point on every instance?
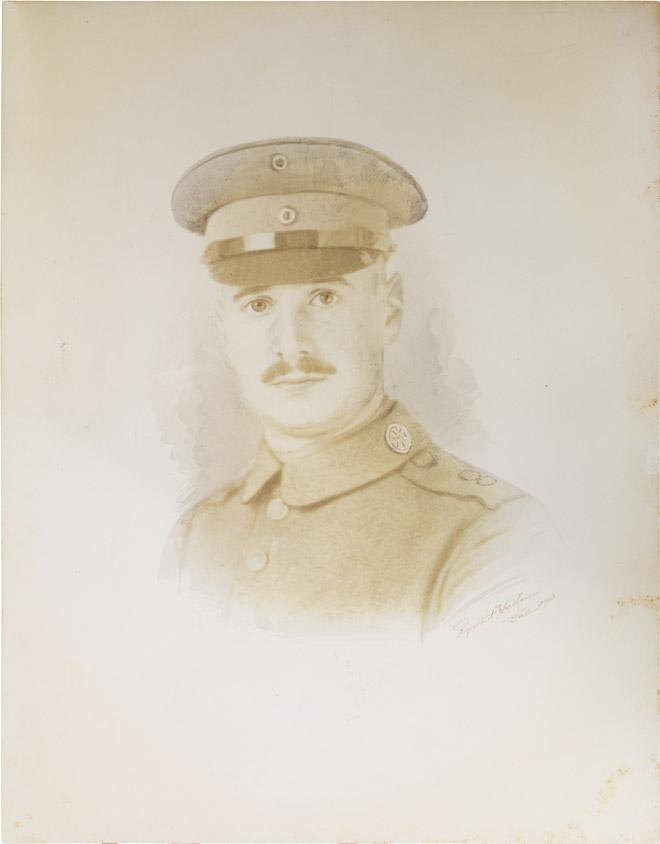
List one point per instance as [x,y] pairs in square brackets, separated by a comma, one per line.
[309,356]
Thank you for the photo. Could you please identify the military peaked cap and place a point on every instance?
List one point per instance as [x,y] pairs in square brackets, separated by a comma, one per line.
[293,209]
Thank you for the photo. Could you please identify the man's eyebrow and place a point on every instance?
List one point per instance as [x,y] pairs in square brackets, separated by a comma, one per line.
[248,291]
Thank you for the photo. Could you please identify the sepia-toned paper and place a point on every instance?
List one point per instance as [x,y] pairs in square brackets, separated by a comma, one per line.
[528,346]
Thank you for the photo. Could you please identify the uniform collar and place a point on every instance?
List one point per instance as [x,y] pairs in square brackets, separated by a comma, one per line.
[349,462]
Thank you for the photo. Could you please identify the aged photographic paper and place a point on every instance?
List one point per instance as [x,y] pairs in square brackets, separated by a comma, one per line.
[329,414]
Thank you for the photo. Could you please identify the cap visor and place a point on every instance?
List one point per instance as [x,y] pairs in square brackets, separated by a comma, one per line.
[290,266]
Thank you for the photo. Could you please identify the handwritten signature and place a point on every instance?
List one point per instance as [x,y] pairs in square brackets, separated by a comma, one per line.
[511,611]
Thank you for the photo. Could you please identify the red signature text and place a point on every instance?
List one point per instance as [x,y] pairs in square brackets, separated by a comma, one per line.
[511,611]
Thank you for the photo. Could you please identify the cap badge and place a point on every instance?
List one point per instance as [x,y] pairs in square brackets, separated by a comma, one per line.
[398,438]
[287,215]
[279,161]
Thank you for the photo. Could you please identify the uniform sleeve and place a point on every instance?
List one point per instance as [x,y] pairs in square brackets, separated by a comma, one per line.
[174,552]
[505,567]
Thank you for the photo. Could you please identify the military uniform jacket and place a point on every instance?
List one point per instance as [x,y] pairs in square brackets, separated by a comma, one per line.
[380,529]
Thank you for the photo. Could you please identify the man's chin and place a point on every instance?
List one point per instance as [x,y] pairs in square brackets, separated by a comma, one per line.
[302,420]
[302,427]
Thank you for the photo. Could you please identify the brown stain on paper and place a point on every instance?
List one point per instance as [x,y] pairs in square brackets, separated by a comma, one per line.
[649,602]
[642,403]
[609,790]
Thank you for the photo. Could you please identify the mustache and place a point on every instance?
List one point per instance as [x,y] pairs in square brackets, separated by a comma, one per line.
[305,363]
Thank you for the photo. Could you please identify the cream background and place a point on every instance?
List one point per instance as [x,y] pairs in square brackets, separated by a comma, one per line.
[528,348]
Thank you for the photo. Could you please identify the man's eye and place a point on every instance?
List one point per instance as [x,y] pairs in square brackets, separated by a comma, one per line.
[258,306]
[324,298]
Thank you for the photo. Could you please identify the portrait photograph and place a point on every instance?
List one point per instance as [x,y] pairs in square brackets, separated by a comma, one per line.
[330,455]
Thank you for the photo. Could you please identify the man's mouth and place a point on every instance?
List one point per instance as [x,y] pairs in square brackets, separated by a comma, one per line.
[294,382]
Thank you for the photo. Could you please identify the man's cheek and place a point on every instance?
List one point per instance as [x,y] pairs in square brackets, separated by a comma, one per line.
[338,341]
[245,347]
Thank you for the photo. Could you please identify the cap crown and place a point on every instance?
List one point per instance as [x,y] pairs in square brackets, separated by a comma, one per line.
[284,166]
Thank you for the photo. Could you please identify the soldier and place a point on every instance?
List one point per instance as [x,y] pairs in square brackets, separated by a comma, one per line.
[350,517]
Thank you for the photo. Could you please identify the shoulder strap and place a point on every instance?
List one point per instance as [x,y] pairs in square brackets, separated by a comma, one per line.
[440,472]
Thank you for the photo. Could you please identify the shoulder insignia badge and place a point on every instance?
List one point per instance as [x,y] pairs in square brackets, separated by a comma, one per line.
[442,473]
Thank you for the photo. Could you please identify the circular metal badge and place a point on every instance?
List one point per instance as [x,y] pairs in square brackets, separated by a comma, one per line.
[287,215]
[398,438]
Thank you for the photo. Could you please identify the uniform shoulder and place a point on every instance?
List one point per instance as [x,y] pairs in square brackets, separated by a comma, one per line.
[216,499]
[443,473]
[191,520]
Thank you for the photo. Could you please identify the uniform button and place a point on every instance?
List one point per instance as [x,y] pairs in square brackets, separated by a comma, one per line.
[276,509]
[424,459]
[256,560]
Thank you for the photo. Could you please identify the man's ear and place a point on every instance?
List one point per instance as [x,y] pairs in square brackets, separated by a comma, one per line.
[393,306]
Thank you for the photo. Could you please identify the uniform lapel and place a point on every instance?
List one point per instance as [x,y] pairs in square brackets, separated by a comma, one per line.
[265,467]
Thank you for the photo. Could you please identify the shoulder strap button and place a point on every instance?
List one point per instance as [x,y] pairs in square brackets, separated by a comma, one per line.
[424,459]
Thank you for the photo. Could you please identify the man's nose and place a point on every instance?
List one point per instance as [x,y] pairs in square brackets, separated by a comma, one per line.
[290,336]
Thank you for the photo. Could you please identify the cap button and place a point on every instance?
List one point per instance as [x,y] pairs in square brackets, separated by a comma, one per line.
[287,215]
[398,438]
[279,161]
